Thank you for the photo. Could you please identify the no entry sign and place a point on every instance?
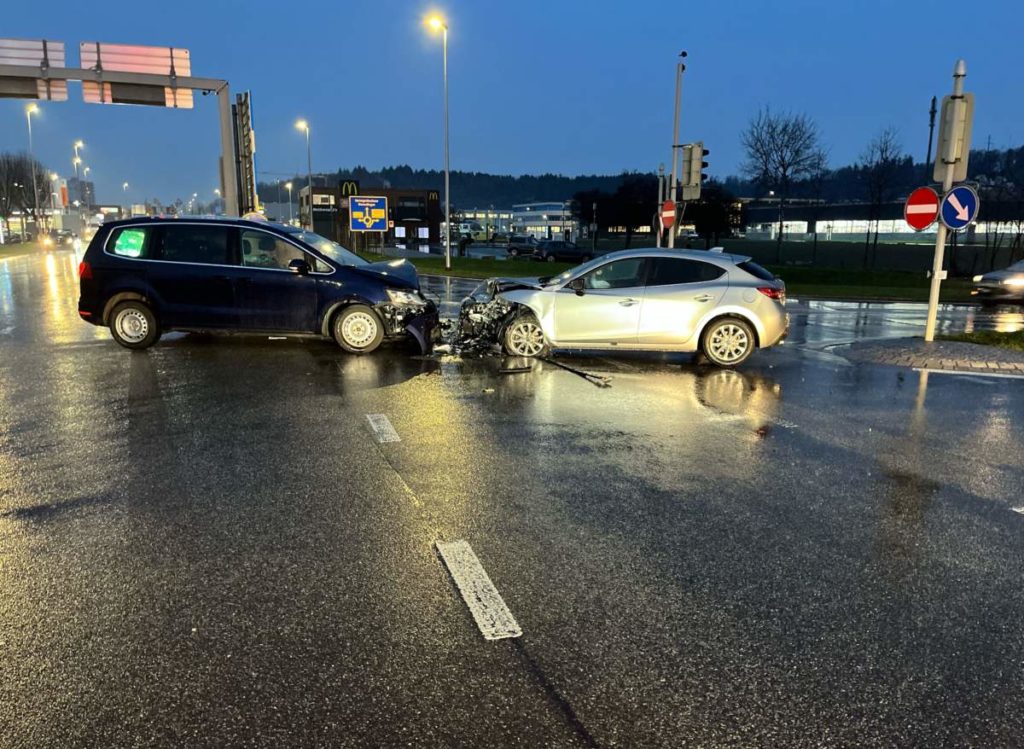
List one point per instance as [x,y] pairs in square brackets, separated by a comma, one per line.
[668,214]
[922,208]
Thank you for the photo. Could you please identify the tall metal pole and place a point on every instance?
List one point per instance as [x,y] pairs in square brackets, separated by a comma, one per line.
[447,174]
[228,163]
[672,192]
[931,134]
[948,159]
[35,190]
[593,239]
[661,202]
[291,213]
[309,168]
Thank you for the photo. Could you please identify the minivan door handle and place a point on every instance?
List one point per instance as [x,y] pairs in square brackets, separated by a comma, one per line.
[629,302]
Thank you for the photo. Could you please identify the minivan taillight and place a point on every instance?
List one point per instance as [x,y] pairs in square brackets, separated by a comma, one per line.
[772,293]
[84,271]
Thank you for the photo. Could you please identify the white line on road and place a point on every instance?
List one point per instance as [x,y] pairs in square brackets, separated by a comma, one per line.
[485,603]
[382,429]
[1018,510]
[962,373]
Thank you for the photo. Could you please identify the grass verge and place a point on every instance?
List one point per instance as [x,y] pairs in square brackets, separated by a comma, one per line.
[1012,341]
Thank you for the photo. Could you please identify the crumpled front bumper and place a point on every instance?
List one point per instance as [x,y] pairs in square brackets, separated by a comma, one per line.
[423,324]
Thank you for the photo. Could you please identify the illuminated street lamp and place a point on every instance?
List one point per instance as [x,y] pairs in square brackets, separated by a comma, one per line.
[304,126]
[76,161]
[291,215]
[85,188]
[437,23]
[124,191]
[31,109]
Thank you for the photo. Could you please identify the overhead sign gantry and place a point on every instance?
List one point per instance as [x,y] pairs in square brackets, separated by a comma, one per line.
[122,74]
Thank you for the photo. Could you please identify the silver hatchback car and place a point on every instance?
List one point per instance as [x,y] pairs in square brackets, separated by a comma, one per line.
[723,305]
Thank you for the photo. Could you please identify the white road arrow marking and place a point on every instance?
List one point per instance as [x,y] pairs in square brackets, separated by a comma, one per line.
[961,213]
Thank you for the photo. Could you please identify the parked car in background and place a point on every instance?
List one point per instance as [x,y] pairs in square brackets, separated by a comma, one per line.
[521,245]
[725,306]
[552,250]
[1006,285]
[141,277]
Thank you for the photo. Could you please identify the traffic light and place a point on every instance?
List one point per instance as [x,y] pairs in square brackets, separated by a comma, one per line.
[695,175]
[693,169]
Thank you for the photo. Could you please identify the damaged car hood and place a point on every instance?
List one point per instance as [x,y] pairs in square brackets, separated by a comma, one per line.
[398,272]
[494,286]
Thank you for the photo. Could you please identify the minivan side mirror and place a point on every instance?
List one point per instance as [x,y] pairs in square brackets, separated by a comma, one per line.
[299,266]
[576,285]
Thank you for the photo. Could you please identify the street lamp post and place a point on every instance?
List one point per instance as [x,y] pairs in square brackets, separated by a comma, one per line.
[438,24]
[85,189]
[31,109]
[304,126]
[291,214]
[124,191]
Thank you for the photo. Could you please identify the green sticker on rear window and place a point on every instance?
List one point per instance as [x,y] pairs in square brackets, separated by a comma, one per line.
[130,242]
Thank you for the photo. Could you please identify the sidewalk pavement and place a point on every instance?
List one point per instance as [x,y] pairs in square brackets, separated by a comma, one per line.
[950,356]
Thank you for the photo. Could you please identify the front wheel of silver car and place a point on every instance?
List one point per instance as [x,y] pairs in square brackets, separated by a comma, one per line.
[728,342]
[358,329]
[524,337]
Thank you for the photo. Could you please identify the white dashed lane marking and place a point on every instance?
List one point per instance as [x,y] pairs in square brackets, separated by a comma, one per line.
[382,429]
[486,605]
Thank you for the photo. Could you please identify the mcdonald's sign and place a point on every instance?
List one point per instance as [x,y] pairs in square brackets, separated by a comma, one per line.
[433,196]
[349,187]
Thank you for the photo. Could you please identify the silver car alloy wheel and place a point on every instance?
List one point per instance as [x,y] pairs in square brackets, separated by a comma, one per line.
[359,329]
[525,338]
[729,342]
[132,325]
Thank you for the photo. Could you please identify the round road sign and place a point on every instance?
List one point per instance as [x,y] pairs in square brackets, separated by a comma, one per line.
[668,214]
[960,207]
[921,208]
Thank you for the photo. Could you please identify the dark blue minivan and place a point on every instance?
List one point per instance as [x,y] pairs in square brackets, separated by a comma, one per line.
[141,277]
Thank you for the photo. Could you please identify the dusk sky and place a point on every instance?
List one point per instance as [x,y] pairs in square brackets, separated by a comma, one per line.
[536,85]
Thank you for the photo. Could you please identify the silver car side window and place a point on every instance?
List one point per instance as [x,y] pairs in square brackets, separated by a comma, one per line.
[618,274]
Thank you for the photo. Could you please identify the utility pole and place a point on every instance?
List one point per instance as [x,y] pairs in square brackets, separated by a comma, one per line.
[661,202]
[593,234]
[680,68]
[931,134]
[948,157]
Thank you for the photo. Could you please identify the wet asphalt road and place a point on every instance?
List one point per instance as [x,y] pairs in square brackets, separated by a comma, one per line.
[203,545]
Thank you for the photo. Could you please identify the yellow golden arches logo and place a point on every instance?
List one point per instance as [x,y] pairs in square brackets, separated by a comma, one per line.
[349,187]
[432,195]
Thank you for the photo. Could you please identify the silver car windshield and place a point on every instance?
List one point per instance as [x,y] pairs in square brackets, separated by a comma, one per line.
[333,250]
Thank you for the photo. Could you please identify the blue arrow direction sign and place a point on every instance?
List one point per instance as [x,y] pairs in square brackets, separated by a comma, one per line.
[367,213]
[960,207]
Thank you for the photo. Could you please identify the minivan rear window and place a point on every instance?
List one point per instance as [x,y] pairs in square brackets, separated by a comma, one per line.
[756,270]
[129,241]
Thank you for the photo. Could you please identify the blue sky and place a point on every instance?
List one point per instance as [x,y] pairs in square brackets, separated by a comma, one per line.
[565,86]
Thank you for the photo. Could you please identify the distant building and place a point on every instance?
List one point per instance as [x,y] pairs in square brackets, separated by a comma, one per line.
[551,220]
[82,190]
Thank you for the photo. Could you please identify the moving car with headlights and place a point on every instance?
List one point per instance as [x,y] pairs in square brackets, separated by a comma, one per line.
[1006,285]
[141,277]
[723,305]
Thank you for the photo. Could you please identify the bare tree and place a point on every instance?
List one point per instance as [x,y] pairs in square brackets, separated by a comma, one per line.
[781,149]
[16,186]
[879,165]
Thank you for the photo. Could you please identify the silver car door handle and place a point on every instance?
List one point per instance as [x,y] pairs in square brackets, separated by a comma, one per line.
[703,297]
[629,302]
